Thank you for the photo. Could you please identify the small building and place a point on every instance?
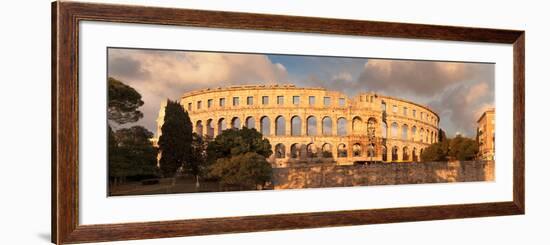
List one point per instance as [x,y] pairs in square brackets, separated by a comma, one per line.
[486,135]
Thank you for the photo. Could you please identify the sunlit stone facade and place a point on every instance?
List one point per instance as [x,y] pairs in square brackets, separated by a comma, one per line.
[486,135]
[315,125]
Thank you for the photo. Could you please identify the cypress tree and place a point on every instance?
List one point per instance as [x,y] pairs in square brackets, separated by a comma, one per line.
[175,143]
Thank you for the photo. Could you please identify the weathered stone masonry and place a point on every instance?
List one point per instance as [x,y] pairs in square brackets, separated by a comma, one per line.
[314,125]
[329,175]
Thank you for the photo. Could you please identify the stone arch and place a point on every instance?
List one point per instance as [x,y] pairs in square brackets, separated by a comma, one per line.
[405,132]
[384,129]
[296,126]
[250,123]
[295,150]
[199,128]
[394,130]
[384,153]
[221,125]
[421,135]
[279,151]
[311,127]
[413,133]
[265,126]
[420,155]
[209,128]
[311,150]
[405,153]
[342,150]
[326,126]
[394,153]
[357,125]
[371,127]
[327,150]
[370,150]
[357,150]
[280,126]
[236,123]
[414,155]
[342,126]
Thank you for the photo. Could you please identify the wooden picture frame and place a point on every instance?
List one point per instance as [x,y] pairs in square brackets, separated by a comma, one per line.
[65,121]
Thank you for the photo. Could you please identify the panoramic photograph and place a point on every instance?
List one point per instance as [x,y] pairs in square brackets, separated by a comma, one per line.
[194,121]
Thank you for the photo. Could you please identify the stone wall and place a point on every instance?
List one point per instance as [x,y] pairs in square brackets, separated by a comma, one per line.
[327,175]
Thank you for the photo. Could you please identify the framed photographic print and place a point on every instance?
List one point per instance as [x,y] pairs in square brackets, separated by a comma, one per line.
[176,122]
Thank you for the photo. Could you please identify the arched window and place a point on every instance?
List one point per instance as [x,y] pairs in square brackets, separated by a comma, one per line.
[311,150]
[327,150]
[405,153]
[342,125]
[311,126]
[357,125]
[421,136]
[371,128]
[370,150]
[415,157]
[221,125]
[236,123]
[394,130]
[296,126]
[342,150]
[384,153]
[357,151]
[405,132]
[280,125]
[198,128]
[432,137]
[279,151]
[420,155]
[250,122]
[265,126]
[413,133]
[294,151]
[427,136]
[384,129]
[327,126]
[209,128]
[394,151]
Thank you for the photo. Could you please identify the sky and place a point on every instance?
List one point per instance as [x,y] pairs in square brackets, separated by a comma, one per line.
[459,92]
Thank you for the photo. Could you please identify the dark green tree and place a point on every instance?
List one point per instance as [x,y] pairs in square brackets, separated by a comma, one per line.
[176,139]
[131,154]
[435,152]
[123,102]
[462,148]
[248,171]
[232,142]
[197,163]
[442,136]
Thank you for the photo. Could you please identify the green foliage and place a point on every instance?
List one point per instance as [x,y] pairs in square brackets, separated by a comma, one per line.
[463,149]
[123,102]
[176,139]
[246,170]
[197,163]
[457,148]
[435,152]
[131,154]
[232,142]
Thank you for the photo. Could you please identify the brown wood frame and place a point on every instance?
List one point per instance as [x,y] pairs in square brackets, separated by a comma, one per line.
[65,30]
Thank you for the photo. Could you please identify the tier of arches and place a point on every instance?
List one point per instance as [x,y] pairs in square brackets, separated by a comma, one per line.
[322,126]
[342,150]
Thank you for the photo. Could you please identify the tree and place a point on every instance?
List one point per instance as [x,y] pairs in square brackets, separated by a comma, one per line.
[197,161]
[123,102]
[131,154]
[248,170]
[176,139]
[463,149]
[442,136]
[232,142]
[435,152]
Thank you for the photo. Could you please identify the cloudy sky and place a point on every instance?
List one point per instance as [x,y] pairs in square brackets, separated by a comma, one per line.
[458,92]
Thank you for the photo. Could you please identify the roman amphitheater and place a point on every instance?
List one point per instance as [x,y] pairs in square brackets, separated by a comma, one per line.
[315,125]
